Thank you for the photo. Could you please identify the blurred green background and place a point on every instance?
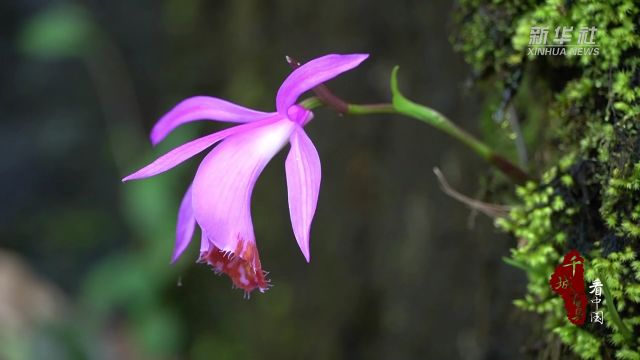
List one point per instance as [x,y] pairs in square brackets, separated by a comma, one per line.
[399,269]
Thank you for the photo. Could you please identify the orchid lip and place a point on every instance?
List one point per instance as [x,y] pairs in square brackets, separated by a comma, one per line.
[242,267]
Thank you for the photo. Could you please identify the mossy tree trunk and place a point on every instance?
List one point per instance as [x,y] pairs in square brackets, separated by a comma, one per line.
[575,121]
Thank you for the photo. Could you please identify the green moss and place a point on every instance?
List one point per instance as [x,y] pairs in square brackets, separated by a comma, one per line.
[580,117]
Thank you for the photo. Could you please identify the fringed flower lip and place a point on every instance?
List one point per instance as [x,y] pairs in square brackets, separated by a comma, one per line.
[218,200]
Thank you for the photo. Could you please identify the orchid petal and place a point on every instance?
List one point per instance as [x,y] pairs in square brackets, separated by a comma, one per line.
[303,186]
[314,73]
[185,227]
[202,108]
[204,244]
[224,182]
[186,151]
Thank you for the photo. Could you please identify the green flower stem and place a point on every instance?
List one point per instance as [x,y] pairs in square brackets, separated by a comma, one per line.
[615,317]
[403,106]
[311,103]
[355,109]
[429,116]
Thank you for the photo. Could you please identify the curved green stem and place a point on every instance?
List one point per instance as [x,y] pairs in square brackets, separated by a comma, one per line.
[407,107]
[403,106]
[435,119]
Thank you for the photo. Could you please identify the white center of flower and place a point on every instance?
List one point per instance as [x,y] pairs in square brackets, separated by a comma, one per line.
[273,137]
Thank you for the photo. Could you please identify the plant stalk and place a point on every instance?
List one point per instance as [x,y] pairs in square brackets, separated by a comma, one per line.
[403,106]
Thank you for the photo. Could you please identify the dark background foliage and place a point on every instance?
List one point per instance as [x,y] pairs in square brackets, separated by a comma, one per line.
[399,270]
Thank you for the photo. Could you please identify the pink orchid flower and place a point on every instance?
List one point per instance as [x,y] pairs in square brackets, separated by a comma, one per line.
[219,198]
